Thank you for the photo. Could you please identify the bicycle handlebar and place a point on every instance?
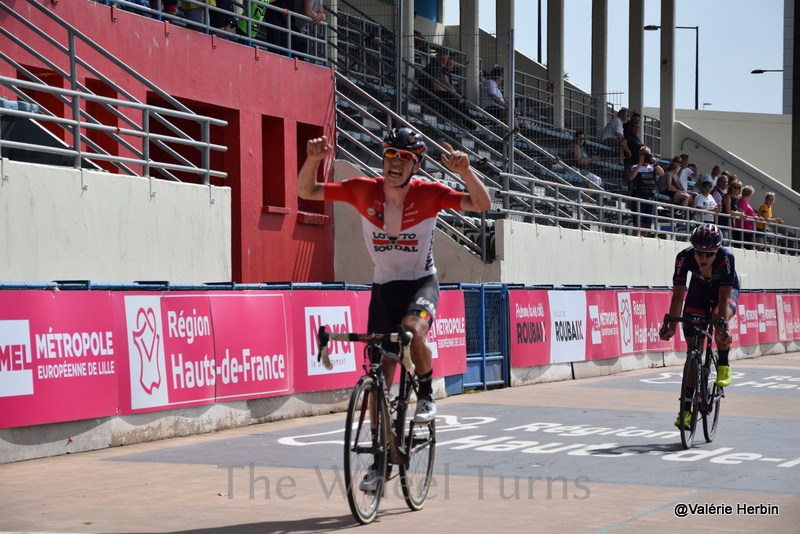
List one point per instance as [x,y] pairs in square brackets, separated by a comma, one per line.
[401,336]
[720,322]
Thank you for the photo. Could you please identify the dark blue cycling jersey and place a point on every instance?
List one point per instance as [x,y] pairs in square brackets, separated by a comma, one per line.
[723,269]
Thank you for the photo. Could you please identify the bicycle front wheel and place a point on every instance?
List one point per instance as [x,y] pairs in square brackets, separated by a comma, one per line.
[416,472]
[690,385]
[711,404]
[364,451]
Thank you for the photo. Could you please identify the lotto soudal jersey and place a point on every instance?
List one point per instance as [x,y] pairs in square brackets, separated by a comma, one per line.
[409,255]
[723,269]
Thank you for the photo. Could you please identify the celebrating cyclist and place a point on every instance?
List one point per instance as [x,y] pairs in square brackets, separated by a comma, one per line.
[398,217]
[713,294]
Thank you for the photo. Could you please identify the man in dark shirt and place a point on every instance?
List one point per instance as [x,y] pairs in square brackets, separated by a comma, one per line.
[644,178]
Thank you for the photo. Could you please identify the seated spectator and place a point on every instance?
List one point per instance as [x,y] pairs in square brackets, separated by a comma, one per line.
[672,186]
[705,201]
[765,212]
[644,176]
[613,135]
[578,158]
[440,92]
[492,99]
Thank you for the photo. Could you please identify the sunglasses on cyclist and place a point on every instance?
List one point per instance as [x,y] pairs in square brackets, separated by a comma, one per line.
[402,155]
[705,253]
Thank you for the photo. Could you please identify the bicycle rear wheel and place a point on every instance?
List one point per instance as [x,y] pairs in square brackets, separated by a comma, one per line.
[712,404]
[416,472]
[690,403]
[364,450]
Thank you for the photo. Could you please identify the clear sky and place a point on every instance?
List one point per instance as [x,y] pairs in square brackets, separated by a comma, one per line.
[736,36]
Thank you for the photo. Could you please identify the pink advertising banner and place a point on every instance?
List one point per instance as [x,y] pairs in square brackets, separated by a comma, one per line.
[603,340]
[657,304]
[748,319]
[447,337]
[788,312]
[767,317]
[529,314]
[58,357]
[632,308]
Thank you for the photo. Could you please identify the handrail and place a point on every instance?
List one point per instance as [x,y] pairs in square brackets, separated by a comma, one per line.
[82,121]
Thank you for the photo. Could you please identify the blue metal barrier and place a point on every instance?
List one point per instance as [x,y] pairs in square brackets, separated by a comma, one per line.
[488,362]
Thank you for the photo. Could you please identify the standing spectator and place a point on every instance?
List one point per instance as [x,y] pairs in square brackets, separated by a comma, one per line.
[720,189]
[710,177]
[765,212]
[613,135]
[581,160]
[644,176]
[635,119]
[748,224]
[439,91]
[632,142]
[311,9]
[687,172]
[730,210]
[705,201]
[673,188]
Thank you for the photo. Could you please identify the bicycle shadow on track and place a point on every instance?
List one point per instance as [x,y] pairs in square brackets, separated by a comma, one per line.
[311,524]
[640,450]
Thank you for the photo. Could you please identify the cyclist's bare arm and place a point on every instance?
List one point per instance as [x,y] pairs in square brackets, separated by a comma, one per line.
[675,309]
[477,198]
[307,186]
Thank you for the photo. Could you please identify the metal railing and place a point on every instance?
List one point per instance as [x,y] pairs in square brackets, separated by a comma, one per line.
[76,128]
[118,126]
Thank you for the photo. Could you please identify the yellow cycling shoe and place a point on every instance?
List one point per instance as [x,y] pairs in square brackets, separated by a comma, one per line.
[723,375]
[687,419]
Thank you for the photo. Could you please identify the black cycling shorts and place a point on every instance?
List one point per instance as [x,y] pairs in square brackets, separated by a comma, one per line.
[701,299]
[392,301]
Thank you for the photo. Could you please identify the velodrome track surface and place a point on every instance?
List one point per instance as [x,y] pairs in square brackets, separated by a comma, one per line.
[594,455]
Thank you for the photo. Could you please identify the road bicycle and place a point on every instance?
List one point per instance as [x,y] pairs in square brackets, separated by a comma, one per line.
[378,431]
[707,395]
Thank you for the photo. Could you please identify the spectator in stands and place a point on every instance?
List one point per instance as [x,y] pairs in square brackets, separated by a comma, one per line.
[765,212]
[635,119]
[631,143]
[709,177]
[582,161]
[311,9]
[730,210]
[721,188]
[613,135]
[687,172]
[705,201]
[644,176]
[167,6]
[279,18]
[439,91]
[492,99]
[673,188]
[748,224]
[197,13]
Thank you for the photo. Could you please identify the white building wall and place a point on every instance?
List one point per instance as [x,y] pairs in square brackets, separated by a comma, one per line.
[60,223]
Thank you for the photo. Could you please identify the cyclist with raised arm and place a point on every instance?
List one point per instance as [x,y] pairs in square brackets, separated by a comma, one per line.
[398,216]
[713,294]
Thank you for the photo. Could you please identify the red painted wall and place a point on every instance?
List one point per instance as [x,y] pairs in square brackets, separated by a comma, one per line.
[273,104]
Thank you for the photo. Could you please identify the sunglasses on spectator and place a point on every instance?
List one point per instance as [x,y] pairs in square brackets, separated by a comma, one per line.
[707,187]
[402,155]
[705,253]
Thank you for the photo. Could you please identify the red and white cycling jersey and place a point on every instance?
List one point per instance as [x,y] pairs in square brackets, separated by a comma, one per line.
[410,256]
